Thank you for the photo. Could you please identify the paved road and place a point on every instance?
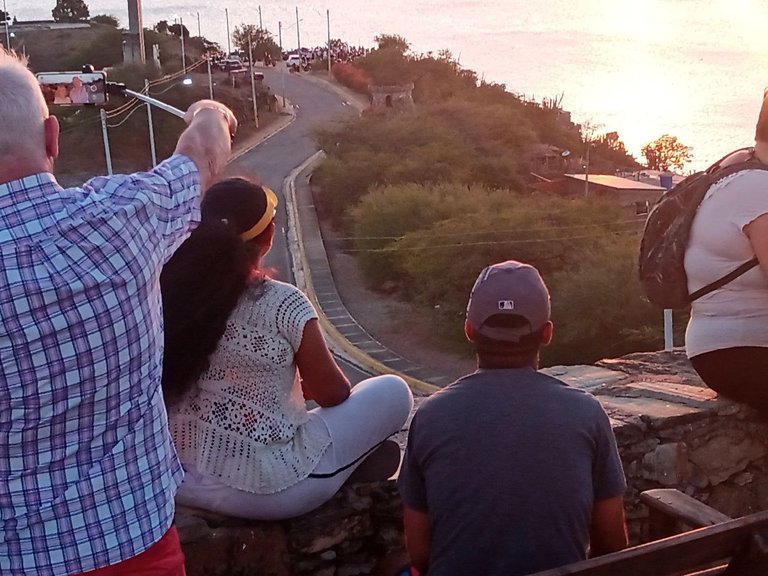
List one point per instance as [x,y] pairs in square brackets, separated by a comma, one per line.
[316,105]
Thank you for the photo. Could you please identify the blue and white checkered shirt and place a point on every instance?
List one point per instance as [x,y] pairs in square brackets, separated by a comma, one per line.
[87,467]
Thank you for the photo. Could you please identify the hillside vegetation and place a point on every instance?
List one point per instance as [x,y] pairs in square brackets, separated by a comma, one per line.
[427,199]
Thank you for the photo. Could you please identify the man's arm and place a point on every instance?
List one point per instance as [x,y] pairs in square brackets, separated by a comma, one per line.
[207,141]
[609,529]
[418,535]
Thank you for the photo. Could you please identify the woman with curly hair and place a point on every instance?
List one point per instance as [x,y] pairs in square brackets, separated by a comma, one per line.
[242,354]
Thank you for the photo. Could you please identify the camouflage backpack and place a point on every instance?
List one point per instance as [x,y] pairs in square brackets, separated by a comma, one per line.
[665,237]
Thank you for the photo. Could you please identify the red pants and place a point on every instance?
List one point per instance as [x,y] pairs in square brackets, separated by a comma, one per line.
[163,558]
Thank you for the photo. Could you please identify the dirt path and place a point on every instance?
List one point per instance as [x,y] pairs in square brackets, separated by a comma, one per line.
[399,326]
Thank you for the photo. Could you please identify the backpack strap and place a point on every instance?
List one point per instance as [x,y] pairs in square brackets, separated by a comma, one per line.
[730,277]
[717,172]
[734,158]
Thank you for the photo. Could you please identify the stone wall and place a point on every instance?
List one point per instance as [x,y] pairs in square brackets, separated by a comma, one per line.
[674,432]
[359,531]
[395,98]
[671,431]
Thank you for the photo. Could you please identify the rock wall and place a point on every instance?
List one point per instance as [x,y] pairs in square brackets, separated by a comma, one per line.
[359,531]
[672,431]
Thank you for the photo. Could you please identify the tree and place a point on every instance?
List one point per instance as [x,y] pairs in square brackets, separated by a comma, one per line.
[261,40]
[609,153]
[392,41]
[177,30]
[162,27]
[107,19]
[70,11]
[667,152]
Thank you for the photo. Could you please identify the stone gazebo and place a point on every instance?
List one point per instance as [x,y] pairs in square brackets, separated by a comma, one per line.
[391,97]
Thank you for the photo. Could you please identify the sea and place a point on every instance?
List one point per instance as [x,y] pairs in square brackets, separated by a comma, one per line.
[695,69]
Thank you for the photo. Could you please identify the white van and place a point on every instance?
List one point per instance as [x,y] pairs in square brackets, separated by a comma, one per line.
[293,60]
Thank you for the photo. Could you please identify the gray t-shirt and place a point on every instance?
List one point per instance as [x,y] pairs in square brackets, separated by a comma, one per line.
[508,465]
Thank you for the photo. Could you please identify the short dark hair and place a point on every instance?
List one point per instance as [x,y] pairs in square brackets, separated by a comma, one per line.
[493,353]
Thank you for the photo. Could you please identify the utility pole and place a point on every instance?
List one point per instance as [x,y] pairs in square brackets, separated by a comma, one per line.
[152,149]
[261,25]
[229,46]
[586,174]
[199,32]
[298,38]
[282,68]
[7,33]
[328,19]
[210,78]
[253,81]
[183,53]
[105,136]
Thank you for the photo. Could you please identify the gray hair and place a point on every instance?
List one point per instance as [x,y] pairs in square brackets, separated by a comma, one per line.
[22,108]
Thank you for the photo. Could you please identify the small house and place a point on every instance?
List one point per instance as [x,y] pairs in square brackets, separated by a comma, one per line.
[635,195]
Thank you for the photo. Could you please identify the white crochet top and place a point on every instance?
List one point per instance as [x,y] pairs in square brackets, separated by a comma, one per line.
[246,422]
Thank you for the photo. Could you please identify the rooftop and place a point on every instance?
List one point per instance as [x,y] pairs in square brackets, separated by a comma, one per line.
[617,182]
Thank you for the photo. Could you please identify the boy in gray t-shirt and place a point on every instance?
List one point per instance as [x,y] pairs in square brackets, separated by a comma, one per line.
[509,471]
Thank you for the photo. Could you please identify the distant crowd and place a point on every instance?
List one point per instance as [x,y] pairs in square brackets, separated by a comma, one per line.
[340,52]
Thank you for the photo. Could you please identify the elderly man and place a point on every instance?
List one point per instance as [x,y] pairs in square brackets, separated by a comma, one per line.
[87,468]
[509,471]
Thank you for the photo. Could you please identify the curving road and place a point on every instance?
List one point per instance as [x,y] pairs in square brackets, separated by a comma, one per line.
[316,105]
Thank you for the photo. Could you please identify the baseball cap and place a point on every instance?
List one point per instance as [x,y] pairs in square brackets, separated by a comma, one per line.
[508,288]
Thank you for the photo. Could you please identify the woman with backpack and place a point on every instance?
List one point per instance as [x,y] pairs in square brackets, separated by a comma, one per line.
[727,335]
[242,354]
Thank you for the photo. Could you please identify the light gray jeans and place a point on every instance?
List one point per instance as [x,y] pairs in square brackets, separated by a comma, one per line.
[376,408]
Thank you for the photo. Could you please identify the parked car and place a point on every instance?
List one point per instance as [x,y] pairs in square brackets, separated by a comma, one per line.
[229,64]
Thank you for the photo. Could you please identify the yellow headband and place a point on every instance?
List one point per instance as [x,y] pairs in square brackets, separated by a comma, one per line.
[269,215]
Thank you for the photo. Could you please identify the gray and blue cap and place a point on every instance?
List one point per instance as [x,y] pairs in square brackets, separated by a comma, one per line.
[508,288]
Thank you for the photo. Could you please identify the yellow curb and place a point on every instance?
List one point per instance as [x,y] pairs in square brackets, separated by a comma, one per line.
[303,276]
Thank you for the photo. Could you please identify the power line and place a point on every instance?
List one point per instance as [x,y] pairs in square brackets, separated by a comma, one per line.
[124,120]
[488,243]
[73,127]
[475,233]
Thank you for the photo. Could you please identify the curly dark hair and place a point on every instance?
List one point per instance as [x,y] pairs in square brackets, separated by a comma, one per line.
[203,281]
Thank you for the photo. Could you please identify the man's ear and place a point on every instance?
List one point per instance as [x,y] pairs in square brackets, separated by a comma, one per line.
[547,332]
[51,129]
[468,331]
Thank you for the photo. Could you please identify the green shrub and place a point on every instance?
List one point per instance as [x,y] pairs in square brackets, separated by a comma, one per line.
[431,241]
[106,19]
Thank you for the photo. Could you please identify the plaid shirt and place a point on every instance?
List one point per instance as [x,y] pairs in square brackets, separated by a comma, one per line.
[87,468]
